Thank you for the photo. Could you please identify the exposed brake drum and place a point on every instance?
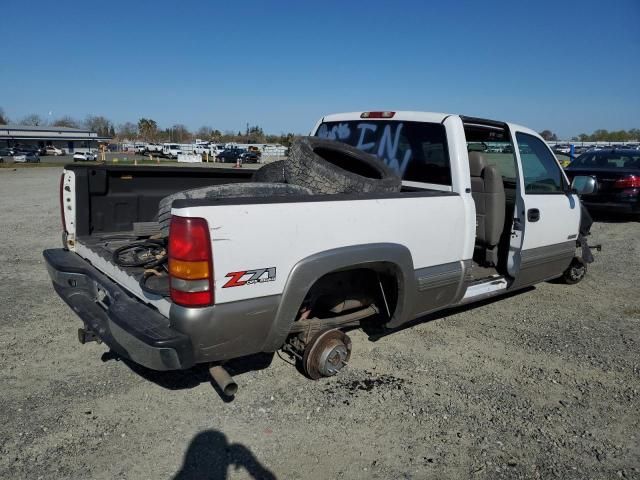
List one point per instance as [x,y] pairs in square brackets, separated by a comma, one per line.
[326,354]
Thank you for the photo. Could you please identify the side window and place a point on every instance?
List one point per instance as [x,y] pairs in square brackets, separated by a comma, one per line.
[540,169]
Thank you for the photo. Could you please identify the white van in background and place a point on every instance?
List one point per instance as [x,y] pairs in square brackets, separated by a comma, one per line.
[171,150]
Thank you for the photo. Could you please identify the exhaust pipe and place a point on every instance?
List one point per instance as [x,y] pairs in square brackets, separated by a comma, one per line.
[225,381]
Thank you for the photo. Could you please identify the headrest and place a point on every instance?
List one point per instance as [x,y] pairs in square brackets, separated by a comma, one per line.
[477,163]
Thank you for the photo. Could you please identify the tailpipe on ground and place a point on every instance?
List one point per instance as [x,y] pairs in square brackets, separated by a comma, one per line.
[225,381]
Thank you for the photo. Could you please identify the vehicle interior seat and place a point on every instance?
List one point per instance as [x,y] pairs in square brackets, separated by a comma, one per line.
[488,194]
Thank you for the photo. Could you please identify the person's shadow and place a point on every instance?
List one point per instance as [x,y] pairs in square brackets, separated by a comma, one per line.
[210,455]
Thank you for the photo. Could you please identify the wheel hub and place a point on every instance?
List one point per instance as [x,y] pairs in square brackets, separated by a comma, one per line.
[326,354]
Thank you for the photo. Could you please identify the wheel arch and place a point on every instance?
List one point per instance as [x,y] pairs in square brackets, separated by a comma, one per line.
[309,270]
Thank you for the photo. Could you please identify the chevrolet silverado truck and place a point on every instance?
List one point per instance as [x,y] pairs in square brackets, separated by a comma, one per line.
[483,208]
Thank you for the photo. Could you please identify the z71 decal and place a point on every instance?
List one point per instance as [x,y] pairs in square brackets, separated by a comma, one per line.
[249,277]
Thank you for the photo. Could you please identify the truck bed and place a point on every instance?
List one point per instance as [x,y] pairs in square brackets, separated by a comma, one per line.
[111,198]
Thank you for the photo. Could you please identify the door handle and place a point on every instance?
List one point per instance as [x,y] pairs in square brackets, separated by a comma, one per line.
[533,215]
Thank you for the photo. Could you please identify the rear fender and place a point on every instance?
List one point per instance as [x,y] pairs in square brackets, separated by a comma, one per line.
[309,270]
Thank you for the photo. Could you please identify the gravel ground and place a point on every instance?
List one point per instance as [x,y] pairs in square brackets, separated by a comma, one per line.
[544,384]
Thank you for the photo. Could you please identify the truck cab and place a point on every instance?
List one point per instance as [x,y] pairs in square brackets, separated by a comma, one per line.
[526,215]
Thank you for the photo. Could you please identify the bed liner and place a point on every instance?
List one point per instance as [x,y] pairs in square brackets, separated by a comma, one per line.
[98,250]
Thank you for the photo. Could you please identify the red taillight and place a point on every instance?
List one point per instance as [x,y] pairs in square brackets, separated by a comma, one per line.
[632,181]
[64,226]
[190,262]
[377,114]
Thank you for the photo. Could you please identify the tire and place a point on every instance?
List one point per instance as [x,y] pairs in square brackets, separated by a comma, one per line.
[270,173]
[328,166]
[229,190]
[575,272]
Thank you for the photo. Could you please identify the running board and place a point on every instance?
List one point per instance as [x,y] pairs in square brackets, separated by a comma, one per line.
[486,289]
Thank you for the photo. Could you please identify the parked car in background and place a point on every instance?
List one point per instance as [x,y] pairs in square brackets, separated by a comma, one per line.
[6,152]
[21,156]
[617,175]
[84,157]
[140,148]
[249,157]
[27,149]
[51,150]
[562,149]
[230,155]
[153,148]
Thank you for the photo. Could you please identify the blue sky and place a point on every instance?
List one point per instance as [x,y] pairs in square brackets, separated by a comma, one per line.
[570,66]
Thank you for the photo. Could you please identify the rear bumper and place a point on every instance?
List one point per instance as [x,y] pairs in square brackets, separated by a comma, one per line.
[129,327]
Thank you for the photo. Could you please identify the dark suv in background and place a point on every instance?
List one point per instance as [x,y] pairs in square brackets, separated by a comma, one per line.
[617,175]
[230,155]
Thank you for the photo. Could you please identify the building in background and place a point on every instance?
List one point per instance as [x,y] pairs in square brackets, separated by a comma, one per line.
[66,139]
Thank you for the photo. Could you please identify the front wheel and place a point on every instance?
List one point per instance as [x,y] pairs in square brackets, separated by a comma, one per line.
[575,272]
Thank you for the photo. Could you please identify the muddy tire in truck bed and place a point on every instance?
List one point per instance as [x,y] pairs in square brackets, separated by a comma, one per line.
[229,190]
[328,166]
[270,173]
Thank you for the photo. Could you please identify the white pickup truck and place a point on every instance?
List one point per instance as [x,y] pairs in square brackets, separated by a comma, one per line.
[254,274]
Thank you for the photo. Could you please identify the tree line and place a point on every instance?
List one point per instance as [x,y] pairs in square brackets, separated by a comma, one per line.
[147,130]
[600,135]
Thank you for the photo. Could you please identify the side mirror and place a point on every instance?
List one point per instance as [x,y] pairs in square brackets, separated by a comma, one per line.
[583,185]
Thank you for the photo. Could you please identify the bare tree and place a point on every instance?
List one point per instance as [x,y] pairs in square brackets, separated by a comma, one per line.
[205,133]
[128,131]
[3,118]
[180,133]
[32,120]
[99,124]
[66,121]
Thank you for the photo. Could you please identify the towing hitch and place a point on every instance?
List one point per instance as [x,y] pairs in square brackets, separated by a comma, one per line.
[85,336]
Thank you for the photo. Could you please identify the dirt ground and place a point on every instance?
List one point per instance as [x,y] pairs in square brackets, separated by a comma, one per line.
[543,384]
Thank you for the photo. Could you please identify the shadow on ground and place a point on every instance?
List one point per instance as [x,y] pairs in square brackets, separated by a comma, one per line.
[376,331]
[210,455]
[193,377]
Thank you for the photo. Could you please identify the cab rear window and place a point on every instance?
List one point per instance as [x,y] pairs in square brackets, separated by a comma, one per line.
[417,151]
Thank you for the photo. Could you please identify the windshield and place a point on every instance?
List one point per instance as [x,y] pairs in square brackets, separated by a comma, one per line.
[608,160]
[417,151]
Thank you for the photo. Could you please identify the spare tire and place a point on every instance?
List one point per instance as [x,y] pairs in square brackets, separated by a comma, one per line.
[270,173]
[328,166]
[228,190]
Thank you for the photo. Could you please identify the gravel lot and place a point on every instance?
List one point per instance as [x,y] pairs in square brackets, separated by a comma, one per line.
[544,384]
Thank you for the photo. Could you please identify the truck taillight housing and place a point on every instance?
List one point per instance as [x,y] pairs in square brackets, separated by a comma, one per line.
[632,181]
[190,262]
